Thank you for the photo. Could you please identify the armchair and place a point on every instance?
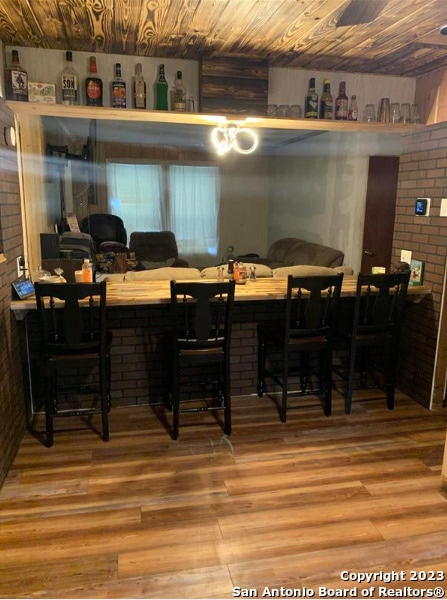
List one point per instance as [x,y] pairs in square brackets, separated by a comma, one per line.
[155,249]
[108,232]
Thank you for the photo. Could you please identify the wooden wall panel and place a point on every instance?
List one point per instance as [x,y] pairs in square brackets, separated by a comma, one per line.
[431,95]
[234,86]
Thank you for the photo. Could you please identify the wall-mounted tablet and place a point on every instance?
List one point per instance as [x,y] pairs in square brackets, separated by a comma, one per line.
[23,288]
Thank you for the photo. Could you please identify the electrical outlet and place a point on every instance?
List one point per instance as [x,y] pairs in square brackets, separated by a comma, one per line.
[20,266]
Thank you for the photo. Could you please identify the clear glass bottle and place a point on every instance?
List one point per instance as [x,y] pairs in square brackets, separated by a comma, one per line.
[353,111]
[179,94]
[139,88]
[326,102]
[161,90]
[118,91]
[341,103]
[93,85]
[16,80]
[311,101]
[69,81]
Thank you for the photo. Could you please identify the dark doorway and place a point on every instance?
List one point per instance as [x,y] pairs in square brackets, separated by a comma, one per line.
[379,212]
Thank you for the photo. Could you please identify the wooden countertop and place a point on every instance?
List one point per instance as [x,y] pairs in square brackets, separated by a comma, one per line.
[134,293]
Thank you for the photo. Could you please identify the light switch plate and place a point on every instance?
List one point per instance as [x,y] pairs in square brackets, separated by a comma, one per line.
[443,210]
[405,256]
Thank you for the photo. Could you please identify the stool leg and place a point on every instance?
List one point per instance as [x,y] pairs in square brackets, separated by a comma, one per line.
[285,388]
[175,402]
[326,370]
[103,390]
[227,397]
[261,365]
[350,382]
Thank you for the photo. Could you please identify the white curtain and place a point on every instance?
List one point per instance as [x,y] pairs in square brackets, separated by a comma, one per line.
[136,195]
[194,210]
[181,198]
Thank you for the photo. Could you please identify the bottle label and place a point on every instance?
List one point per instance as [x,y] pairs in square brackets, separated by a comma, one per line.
[140,94]
[94,92]
[342,109]
[19,83]
[69,88]
[179,102]
[119,94]
[311,111]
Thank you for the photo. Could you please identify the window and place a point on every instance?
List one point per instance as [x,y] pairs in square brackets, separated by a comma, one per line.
[180,198]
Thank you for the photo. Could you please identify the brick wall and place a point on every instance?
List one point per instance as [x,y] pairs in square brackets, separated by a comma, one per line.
[422,173]
[12,406]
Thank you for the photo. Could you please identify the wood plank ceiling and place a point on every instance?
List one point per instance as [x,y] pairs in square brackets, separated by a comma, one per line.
[393,37]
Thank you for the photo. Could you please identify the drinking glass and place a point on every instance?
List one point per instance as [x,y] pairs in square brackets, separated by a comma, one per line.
[369,113]
[384,111]
[405,113]
[296,112]
[272,110]
[415,116]
[283,111]
[395,112]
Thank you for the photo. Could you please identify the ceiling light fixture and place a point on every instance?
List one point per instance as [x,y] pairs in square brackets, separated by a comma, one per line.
[230,136]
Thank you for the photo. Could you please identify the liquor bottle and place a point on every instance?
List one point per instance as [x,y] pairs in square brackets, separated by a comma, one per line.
[139,88]
[353,112]
[161,90]
[179,94]
[118,91]
[69,81]
[341,103]
[326,102]
[16,80]
[311,101]
[93,86]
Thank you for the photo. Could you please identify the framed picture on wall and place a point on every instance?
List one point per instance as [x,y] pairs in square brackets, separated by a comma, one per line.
[416,272]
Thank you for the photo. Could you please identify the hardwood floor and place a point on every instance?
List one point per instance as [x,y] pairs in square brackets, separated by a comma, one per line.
[289,505]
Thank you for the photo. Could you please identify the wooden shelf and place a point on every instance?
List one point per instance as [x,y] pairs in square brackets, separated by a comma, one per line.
[133,115]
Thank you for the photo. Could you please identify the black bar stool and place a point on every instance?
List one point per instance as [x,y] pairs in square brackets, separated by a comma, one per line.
[372,339]
[201,322]
[307,326]
[74,335]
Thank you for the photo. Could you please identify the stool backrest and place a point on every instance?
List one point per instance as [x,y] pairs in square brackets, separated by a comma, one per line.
[380,302]
[311,305]
[72,316]
[201,313]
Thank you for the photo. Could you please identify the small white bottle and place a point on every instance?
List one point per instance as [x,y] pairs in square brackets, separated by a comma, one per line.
[87,271]
[179,94]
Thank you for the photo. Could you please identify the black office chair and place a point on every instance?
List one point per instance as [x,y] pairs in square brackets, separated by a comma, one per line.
[306,327]
[108,232]
[201,322]
[372,339]
[73,326]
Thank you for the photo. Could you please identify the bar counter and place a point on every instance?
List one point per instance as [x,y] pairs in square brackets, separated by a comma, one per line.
[137,293]
[138,316]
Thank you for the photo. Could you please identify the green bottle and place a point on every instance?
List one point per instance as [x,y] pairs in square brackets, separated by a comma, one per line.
[161,90]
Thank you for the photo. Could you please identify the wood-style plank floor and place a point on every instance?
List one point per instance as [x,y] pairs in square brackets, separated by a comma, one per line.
[276,505]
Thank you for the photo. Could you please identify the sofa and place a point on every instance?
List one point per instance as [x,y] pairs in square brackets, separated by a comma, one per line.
[288,252]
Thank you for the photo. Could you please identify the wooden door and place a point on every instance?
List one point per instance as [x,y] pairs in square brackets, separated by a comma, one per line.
[379,212]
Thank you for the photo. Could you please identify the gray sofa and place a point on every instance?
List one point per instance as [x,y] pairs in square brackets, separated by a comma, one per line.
[288,252]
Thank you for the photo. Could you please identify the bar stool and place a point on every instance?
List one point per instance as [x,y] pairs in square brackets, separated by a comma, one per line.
[201,322]
[74,335]
[306,327]
[377,324]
